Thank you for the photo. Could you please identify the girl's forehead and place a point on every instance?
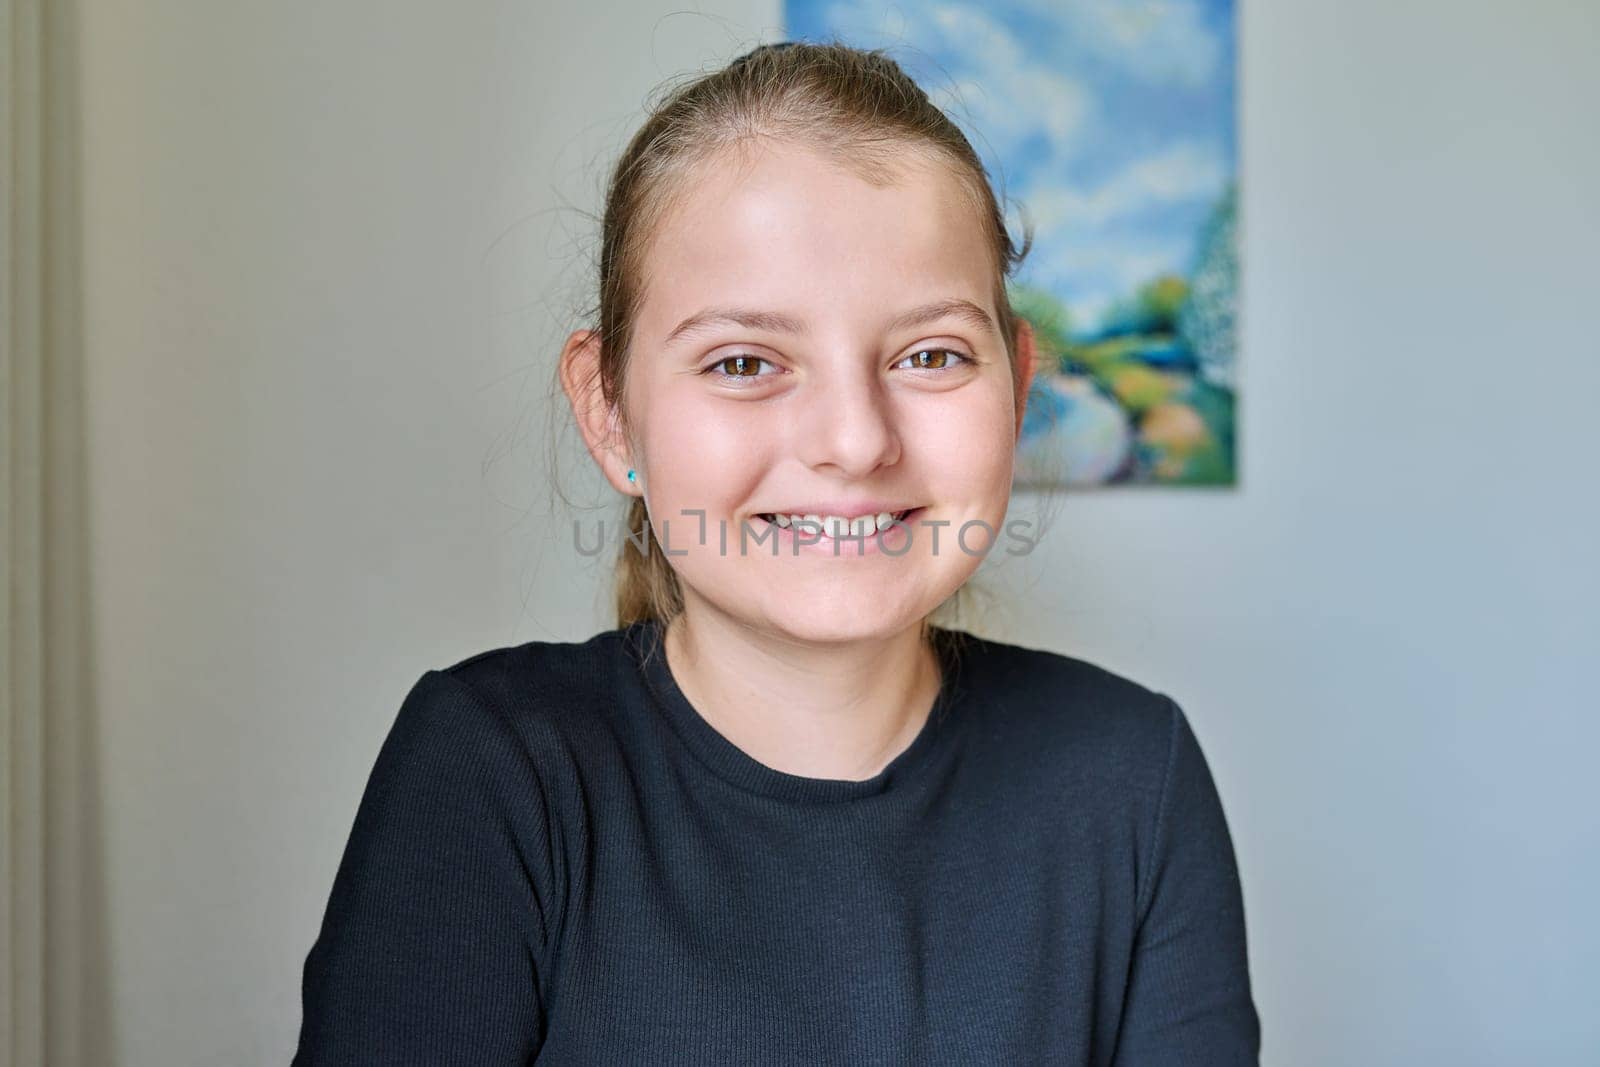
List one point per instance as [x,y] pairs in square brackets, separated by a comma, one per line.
[769,184]
[794,220]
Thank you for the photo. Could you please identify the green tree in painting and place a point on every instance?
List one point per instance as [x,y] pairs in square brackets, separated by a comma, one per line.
[1161,300]
[1153,309]
[1207,321]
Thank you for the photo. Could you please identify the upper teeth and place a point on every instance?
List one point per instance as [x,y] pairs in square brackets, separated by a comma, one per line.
[837,525]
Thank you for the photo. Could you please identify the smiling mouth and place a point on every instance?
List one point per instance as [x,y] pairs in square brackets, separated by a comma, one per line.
[821,526]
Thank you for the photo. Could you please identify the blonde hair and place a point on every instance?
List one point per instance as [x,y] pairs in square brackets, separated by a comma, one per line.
[856,106]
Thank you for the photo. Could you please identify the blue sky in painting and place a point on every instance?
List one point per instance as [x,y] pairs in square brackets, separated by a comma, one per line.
[1112,120]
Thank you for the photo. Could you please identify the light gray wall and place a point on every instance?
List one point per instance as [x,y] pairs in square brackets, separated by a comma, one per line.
[330,250]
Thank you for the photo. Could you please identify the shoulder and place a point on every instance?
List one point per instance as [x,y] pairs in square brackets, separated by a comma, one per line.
[548,675]
[1093,749]
[1069,711]
[552,698]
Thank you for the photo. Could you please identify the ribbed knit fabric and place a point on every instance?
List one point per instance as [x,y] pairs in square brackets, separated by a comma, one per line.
[557,860]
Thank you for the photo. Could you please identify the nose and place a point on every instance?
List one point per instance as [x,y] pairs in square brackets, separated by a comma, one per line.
[848,427]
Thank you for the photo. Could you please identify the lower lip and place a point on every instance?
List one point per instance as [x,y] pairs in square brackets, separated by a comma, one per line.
[850,547]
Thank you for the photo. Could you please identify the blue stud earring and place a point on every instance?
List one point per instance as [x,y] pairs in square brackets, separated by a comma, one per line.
[631,477]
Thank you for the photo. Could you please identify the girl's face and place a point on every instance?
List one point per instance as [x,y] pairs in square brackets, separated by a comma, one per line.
[811,344]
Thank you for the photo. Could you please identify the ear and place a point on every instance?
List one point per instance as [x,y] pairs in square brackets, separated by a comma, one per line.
[597,420]
[1027,364]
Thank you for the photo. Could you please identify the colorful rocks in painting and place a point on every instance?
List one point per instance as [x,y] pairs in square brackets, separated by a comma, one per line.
[1075,435]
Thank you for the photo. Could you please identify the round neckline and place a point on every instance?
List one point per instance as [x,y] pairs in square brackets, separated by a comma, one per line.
[736,766]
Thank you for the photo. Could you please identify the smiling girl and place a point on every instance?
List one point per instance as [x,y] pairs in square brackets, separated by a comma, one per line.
[778,815]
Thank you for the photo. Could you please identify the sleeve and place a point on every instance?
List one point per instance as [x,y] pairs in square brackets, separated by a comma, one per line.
[430,947]
[1188,999]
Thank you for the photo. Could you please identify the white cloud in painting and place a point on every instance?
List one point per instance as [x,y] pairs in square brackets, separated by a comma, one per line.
[1158,41]
[1009,96]
[1123,270]
[1180,173]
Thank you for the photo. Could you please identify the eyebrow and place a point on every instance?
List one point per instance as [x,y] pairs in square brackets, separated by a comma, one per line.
[777,322]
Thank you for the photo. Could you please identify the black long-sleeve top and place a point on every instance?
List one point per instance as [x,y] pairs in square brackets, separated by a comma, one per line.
[557,860]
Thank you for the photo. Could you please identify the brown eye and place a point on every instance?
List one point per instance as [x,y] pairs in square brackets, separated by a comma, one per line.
[743,367]
[937,358]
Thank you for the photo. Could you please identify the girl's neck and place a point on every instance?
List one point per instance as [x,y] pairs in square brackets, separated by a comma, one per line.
[837,712]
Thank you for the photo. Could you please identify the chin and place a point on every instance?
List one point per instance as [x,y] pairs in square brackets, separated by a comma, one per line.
[846,621]
[828,634]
